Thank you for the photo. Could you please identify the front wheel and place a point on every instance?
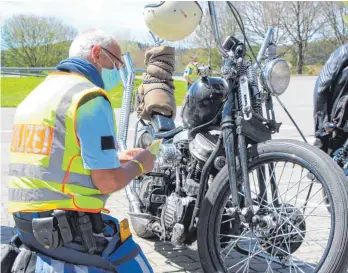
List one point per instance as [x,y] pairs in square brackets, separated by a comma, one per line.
[292,230]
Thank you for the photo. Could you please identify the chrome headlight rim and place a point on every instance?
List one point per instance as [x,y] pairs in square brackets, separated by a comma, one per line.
[204,70]
[269,76]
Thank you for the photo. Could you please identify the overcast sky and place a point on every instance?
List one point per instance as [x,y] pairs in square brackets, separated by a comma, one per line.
[122,19]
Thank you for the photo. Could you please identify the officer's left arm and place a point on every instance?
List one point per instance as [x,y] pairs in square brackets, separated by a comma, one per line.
[96,131]
[97,135]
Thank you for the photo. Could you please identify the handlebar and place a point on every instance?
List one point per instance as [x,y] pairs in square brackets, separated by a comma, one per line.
[264,46]
[215,28]
[214,22]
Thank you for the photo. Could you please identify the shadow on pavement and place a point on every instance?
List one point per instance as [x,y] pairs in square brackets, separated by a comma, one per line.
[184,260]
[187,260]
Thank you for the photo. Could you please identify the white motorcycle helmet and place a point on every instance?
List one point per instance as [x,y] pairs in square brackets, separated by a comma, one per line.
[173,20]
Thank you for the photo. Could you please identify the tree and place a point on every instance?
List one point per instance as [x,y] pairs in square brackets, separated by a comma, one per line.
[335,16]
[259,16]
[204,37]
[227,23]
[301,20]
[35,40]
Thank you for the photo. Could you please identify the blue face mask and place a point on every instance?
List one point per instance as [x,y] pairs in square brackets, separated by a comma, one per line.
[111,77]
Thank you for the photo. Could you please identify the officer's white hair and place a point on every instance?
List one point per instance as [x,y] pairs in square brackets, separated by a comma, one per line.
[82,45]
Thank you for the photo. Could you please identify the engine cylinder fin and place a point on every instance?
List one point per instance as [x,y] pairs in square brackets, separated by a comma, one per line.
[197,171]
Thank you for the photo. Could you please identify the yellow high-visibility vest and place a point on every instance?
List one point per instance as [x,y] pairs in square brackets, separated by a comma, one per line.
[194,75]
[46,168]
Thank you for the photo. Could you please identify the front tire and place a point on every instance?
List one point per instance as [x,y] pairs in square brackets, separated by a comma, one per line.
[330,177]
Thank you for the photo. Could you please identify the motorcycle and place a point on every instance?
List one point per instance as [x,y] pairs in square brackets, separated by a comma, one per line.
[222,181]
[339,154]
[341,157]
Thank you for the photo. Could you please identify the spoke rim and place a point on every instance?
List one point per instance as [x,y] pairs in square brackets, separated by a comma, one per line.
[293,263]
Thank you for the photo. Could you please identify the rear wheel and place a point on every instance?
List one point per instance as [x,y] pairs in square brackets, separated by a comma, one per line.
[292,230]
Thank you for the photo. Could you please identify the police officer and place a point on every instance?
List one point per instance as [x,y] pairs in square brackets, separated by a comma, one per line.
[64,161]
[191,72]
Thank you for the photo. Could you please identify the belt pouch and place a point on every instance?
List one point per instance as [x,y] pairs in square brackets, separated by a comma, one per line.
[45,232]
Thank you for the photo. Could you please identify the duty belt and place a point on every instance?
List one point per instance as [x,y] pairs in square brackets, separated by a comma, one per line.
[60,228]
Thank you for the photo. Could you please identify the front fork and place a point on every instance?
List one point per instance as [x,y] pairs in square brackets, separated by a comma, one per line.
[230,131]
[235,144]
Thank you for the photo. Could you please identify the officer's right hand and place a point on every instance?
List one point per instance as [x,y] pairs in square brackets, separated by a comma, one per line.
[147,159]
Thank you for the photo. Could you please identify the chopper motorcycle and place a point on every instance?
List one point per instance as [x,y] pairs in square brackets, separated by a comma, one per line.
[221,180]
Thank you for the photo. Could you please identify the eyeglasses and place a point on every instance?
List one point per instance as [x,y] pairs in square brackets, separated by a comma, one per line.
[122,63]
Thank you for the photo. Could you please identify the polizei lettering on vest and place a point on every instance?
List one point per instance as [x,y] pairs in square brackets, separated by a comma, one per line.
[29,138]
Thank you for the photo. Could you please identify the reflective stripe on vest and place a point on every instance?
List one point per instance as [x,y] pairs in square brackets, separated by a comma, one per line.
[27,195]
[46,169]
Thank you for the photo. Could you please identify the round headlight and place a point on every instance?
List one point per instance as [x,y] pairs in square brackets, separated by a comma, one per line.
[204,70]
[276,76]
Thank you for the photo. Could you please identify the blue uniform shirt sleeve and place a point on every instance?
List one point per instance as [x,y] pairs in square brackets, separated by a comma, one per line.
[94,122]
[188,71]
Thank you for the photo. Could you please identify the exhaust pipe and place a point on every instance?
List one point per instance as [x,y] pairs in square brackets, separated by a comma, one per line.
[142,223]
[128,76]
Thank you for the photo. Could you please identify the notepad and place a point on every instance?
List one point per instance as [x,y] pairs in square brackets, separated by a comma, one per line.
[154,148]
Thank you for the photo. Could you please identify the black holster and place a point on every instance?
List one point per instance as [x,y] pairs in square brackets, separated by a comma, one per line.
[97,222]
[63,225]
[85,229]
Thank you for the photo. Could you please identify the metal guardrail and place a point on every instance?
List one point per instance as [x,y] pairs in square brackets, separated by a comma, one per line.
[30,71]
[22,74]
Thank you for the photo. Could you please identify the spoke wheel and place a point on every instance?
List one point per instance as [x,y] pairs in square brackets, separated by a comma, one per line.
[292,229]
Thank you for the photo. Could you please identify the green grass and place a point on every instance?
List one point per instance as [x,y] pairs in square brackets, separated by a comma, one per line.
[14,90]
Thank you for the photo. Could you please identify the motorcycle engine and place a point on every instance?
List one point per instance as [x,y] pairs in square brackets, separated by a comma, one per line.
[202,146]
[152,189]
[169,156]
[175,210]
[171,196]
[172,153]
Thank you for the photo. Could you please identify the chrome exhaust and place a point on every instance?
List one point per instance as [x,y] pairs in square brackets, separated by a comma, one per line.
[128,76]
[143,223]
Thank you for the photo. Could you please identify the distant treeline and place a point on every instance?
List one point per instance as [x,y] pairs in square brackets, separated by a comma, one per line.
[35,41]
